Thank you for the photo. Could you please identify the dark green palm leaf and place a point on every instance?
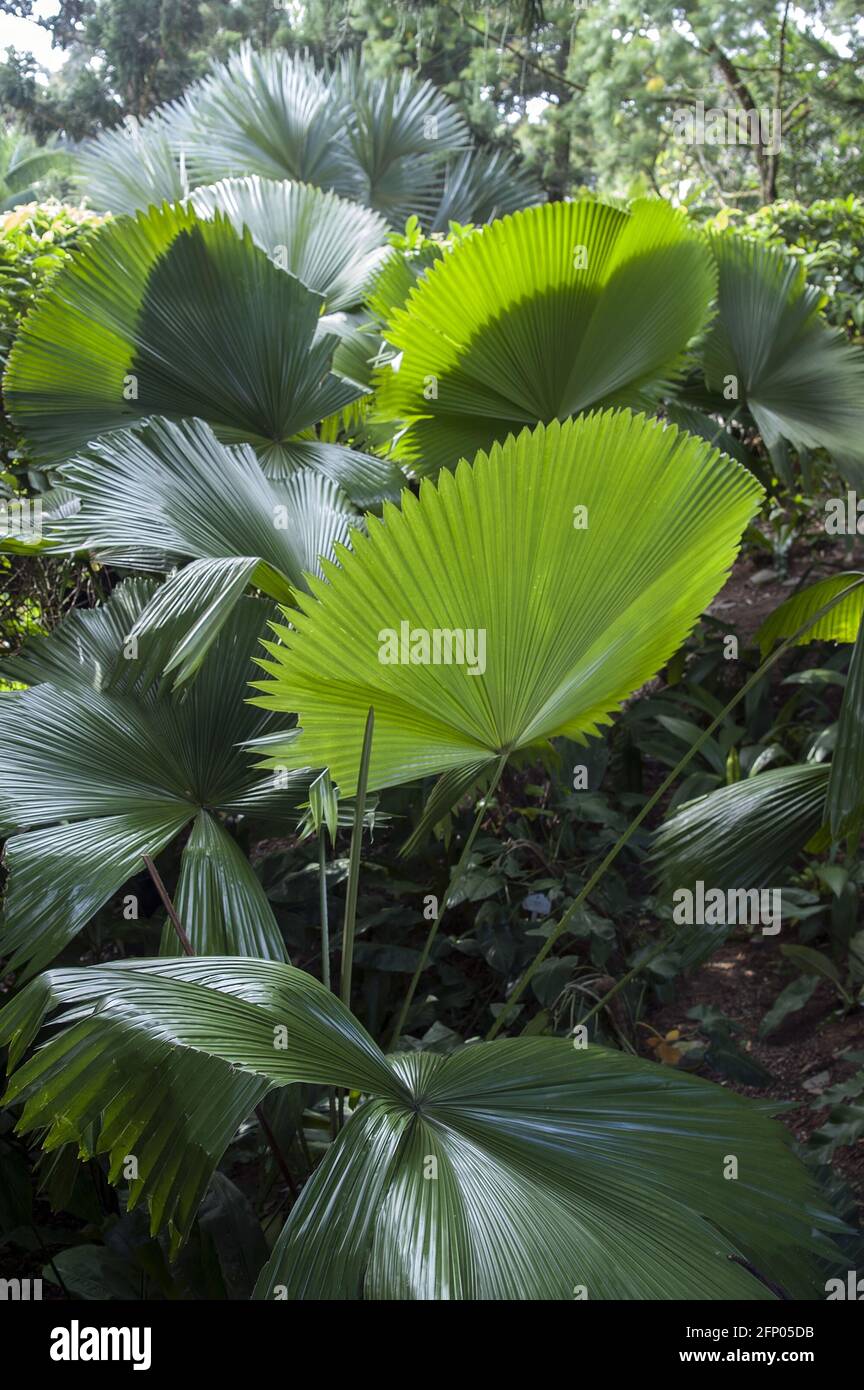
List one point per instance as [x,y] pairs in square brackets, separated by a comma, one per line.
[192,498]
[745,835]
[520,1169]
[800,380]
[844,623]
[100,764]
[481,185]
[172,315]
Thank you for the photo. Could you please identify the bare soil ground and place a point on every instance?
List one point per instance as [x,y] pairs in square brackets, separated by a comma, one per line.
[755,588]
[742,980]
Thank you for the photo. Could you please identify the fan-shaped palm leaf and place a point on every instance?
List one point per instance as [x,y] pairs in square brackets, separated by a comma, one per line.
[333,246]
[174,488]
[520,1169]
[843,623]
[399,133]
[170,315]
[100,765]
[381,141]
[393,143]
[800,380]
[190,497]
[177,1108]
[270,113]
[481,185]
[539,317]
[745,835]
[131,167]
[573,619]
[840,624]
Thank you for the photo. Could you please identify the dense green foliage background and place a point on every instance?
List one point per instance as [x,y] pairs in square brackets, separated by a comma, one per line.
[296,367]
[587,93]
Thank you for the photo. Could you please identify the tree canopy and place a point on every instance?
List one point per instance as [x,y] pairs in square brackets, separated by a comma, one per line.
[593,96]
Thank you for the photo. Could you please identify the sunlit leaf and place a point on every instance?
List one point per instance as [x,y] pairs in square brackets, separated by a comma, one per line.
[558,637]
[545,314]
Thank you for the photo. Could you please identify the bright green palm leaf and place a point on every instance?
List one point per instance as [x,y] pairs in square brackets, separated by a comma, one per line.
[541,316]
[398,276]
[331,245]
[554,1166]
[99,764]
[841,624]
[168,314]
[800,379]
[573,619]
[362,346]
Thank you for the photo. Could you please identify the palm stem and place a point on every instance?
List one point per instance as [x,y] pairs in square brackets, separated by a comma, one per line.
[188,950]
[573,909]
[661,946]
[325,951]
[454,878]
[322,907]
[348,928]
[350,921]
[168,906]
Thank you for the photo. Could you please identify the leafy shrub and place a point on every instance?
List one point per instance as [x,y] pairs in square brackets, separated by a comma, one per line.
[828,238]
[35,240]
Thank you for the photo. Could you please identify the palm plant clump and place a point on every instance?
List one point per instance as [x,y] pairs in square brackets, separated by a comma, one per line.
[394,143]
[289,439]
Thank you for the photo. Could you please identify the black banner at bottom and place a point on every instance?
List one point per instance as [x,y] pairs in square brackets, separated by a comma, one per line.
[62,1338]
